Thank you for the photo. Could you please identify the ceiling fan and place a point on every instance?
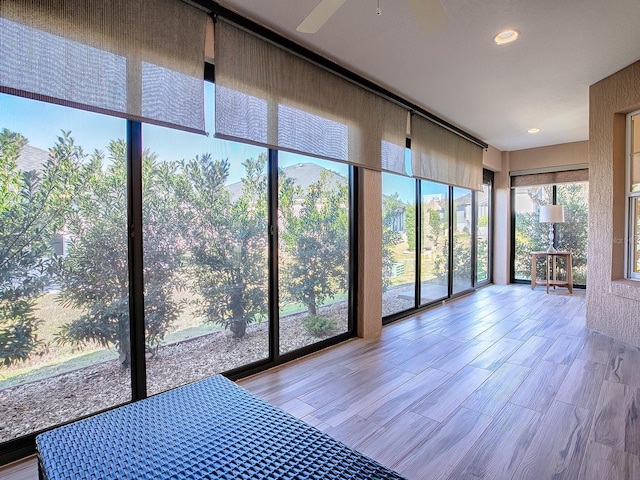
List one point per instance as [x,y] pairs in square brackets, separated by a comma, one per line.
[429,14]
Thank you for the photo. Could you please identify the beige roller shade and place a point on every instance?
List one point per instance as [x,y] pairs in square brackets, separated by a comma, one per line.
[550,178]
[138,59]
[271,97]
[440,155]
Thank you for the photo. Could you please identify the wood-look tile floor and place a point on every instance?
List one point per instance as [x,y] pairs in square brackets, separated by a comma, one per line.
[506,383]
[26,469]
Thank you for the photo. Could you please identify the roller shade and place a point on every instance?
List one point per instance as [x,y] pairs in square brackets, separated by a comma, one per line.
[270,97]
[550,178]
[440,155]
[135,59]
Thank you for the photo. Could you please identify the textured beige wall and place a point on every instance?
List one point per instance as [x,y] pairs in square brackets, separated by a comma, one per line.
[492,159]
[613,304]
[550,157]
[369,254]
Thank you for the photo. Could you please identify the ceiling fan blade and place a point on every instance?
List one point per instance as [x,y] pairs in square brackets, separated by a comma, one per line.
[319,15]
[429,14]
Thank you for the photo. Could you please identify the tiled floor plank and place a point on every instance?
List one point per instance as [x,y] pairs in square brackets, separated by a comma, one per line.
[493,394]
[462,356]
[529,354]
[564,349]
[437,457]
[617,422]
[440,403]
[558,446]
[392,442]
[498,452]
[540,387]
[395,403]
[623,363]
[496,355]
[605,463]
[596,347]
[581,387]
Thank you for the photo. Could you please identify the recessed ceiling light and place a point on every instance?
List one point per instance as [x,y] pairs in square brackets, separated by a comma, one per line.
[506,36]
[533,130]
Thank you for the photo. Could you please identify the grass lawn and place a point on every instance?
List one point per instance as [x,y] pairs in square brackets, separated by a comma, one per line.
[401,254]
[51,358]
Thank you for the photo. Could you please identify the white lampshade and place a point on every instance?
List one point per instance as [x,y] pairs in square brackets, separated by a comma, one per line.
[551,213]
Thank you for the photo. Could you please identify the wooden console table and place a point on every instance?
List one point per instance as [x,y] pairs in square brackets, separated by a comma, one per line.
[551,279]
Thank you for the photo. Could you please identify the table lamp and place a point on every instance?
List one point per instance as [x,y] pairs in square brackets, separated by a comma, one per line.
[551,214]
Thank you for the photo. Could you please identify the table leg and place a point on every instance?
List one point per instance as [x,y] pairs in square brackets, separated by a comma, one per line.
[547,265]
[533,271]
[569,278]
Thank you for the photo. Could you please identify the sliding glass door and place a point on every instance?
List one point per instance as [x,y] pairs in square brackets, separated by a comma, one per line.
[137,258]
[452,236]
[571,235]
[313,250]
[398,244]
[434,267]
[204,206]
[483,232]
[462,236]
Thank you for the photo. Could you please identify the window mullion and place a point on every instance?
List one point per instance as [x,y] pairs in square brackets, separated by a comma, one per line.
[135,249]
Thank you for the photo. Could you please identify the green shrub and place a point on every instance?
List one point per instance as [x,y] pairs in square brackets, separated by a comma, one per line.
[317,325]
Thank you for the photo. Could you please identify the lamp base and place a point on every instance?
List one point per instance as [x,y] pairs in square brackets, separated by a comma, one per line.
[551,248]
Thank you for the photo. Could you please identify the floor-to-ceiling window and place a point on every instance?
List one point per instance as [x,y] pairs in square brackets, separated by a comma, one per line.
[208,229]
[452,236]
[632,191]
[462,236]
[313,250]
[483,230]
[531,235]
[398,243]
[205,254]
[571,235]
[434,267]
[64,284]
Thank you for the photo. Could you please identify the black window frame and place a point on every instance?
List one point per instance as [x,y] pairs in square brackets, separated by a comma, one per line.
[23,446]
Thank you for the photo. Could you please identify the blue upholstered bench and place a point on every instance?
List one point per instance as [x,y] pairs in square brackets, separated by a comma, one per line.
[210,429]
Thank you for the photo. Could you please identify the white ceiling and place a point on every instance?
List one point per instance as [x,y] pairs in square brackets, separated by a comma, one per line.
[494,92]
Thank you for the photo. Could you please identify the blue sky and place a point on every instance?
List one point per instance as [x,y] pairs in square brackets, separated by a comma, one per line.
[42,123]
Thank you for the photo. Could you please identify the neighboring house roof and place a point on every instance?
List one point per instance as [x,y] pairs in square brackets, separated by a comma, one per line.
[463,200]
[302,174]
[32,158]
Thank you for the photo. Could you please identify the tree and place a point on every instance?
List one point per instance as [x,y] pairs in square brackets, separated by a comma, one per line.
[315,238]
[434,232]
[228,241]
[462,259]
[531,235]
[32,209]
[572,234]
[391,208]
[439,238]
[94,276]
[410,225]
